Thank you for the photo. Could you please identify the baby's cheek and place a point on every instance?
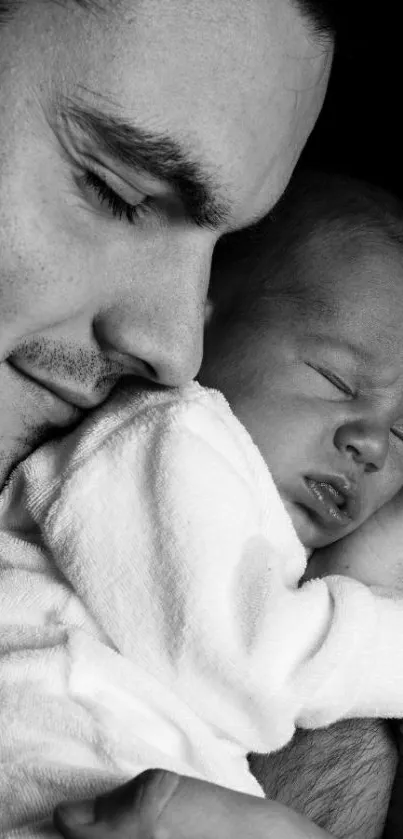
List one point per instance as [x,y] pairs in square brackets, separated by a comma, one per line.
[392,473]
[380,487]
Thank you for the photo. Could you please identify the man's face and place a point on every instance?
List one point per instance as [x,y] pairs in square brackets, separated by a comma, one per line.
[131,138]
[319,386]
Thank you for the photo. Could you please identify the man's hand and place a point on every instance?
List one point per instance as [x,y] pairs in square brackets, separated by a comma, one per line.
[163,805]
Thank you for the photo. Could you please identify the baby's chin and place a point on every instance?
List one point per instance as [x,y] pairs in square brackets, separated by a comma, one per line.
[311,531]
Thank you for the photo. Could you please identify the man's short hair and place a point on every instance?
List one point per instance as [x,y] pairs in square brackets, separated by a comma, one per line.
[320,14]
[8,8]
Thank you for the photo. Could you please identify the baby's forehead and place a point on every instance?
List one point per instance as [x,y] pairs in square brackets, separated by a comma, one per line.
[348,293]
[356,302]
[345,267]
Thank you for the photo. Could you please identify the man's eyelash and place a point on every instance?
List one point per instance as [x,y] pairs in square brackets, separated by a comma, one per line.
[117,205]
[397,433]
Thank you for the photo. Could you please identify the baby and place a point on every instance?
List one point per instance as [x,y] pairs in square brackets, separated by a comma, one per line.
[152,609]
[308,352]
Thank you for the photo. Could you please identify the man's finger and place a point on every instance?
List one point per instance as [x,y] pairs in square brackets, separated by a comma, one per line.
[162,804]
[130,810]
[73,819]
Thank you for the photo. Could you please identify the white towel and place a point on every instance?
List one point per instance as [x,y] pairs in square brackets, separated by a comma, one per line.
[163,625]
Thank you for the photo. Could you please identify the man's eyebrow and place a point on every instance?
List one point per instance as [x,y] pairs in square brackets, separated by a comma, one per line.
[158,155]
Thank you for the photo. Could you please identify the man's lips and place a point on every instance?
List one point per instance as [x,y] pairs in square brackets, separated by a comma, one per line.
[83,401]
[93,390]
[79,400]
[332,499]
[52,406]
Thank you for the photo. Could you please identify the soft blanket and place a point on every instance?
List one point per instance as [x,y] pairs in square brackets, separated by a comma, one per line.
[151,613]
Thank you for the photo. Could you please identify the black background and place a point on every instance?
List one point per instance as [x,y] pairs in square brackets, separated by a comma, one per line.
[359,131]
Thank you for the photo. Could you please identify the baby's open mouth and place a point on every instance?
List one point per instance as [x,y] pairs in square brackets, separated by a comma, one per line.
[331,501]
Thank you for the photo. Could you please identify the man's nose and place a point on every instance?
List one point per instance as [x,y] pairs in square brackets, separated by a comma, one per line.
[156,327]
[365,442]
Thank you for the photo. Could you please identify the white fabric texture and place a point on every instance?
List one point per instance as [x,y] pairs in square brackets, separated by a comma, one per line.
[150,612]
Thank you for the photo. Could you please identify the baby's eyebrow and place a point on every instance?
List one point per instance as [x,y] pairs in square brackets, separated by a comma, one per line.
[157,154]
[346,346]
[376,371]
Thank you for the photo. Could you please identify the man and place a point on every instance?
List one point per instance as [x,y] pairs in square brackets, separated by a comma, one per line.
[184,111]
[133,134]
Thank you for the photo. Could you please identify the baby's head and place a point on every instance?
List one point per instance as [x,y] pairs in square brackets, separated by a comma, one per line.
[309,350]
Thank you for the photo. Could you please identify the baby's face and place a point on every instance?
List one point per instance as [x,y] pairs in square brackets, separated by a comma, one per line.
[320,390]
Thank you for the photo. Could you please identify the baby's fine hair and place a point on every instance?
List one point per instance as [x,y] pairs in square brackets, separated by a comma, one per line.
[319,212]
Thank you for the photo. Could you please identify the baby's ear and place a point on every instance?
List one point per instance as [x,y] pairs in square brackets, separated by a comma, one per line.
[128,812]
[208,312]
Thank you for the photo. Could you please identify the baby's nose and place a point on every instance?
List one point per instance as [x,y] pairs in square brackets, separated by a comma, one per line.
[366,443]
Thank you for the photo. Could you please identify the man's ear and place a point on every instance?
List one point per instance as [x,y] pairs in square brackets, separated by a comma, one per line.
[208,312]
